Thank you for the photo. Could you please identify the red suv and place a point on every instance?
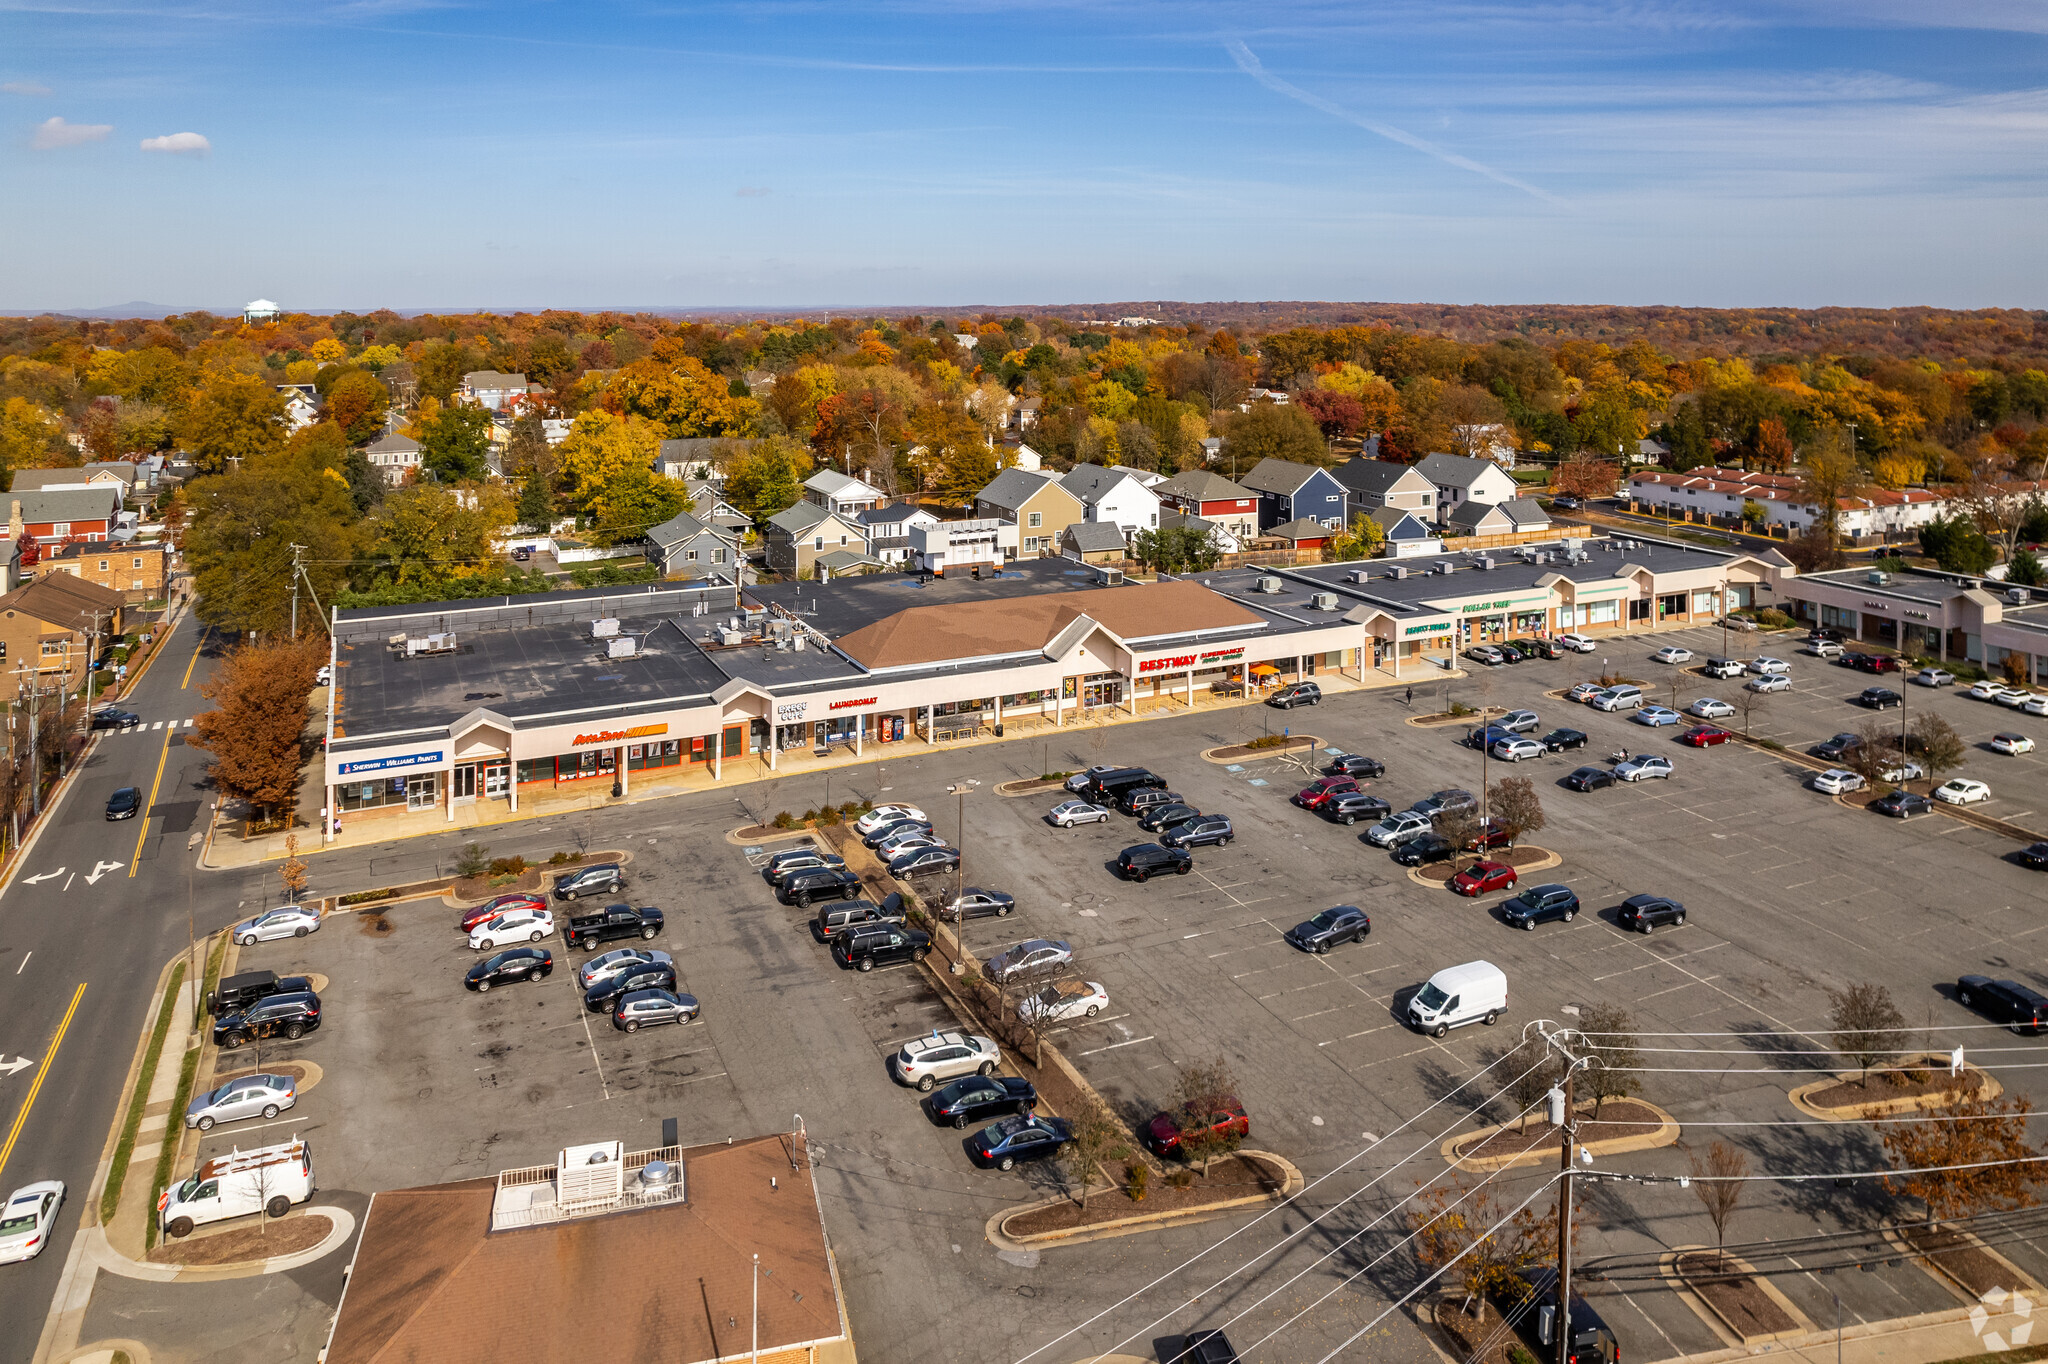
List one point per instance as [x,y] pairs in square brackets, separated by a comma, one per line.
[1318,793]
[1494,835]
[503,904]
[1482,877]
[1162,1134]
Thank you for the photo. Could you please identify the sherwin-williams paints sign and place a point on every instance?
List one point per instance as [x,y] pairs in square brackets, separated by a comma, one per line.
[387,764]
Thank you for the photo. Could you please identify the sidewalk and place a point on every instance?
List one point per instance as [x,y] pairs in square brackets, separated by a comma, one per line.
[1957,1333]
[224,850]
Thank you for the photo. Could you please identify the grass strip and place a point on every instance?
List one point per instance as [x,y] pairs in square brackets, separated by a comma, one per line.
[110,1196]
[169,1154]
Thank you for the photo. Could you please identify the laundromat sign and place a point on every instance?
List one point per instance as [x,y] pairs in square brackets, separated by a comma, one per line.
[852,702]
[1209,659]
[613,736]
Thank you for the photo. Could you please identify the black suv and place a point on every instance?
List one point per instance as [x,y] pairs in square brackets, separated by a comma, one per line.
[1536,904]
[1353,806]
[646,975]
[867,948]
[1424,849]
[1645,912]
[289,1016]
[819,883]
[237,993]
[1138,799]
[613,922]
[2006,1001]
[1145,859]
[1836,749]
[1880,698]
[601,879]
[1296,694]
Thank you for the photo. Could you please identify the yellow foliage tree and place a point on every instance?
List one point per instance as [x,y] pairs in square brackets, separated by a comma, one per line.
[602,446]
[682,395]
[1352,378]
[427,532]
[30,435]
[328,351]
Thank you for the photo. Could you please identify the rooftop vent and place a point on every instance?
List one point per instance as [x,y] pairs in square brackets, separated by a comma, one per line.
[1323,601]
[1486,562]
[729,636]
[622,646]
[2018,595]
[1358,575]
[1447,567]
[1266,584]
[1880,579]
[1400,572]
[604,629]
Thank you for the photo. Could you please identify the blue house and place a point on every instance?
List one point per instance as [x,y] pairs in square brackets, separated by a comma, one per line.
[1295,492]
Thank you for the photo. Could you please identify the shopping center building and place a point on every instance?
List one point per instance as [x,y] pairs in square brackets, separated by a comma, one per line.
[440,705]
[1943,616]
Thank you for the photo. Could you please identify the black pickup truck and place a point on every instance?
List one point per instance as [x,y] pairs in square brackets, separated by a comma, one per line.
[613,921]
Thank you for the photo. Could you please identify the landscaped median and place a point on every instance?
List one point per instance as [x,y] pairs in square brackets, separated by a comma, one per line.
[1909,1085]
[1266,746]
[1739,1305]
[1526,860]
[1245,1179]
[1621,1125]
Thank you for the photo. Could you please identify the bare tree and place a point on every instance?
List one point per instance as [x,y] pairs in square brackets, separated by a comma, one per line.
[1460,827]
[1534,1064]
[1869,1028]
[1516,805]
[1611,1036]
[1717,1183]
[1096,1137]
[1750,704]
[293,870]
[1202,1094]
[1941,749]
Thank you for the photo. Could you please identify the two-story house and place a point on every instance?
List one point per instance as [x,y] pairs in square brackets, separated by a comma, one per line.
[836,492]
[1114,497]
[394,456]
[53,624]
[1370,483]
[1296,492]
[708,505]
[136,571]
[795,538]
[301,405]
[1459,480]
[1040,504]
[1231,507]
[888,530]
[685,547]
[492,389]
[694,457]
[62,513]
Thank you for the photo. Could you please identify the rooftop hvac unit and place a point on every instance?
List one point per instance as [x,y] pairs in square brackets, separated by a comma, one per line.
[1880,579]
[1266,584]
[622,646]
[797,644]
[2017,595]
[729,636]
[1400,572]
[1358,575]
[593,1173]
[1486,562]
[1323,601]
[1447,567]
[778,629]
[604,629]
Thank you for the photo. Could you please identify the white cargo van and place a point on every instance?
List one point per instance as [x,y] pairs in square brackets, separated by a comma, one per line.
[1476,992]
[268,1179]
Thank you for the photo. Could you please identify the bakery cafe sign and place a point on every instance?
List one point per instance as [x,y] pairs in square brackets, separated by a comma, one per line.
[1206,660]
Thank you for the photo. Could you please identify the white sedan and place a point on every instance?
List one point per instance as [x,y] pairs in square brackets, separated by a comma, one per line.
[1898,771]
[2035,705]
[1671,653]
[1068,813]
[2014,697]
[1514,750]
[1837,781]
[1707,708]
[27,1219]
[1067,999]
[292,921]
[1578,644]
[1962,791]
[1649,765]
[1770,682]
[884,814]
[519,925]
[1769,667]
[2011,744]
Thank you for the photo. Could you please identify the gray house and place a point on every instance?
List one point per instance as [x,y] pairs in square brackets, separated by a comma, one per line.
[795,538]
[1459,480]
[1370,483]
[685,546]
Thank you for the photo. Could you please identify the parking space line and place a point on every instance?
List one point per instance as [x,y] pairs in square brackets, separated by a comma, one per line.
[1662,961]
[599,1060]
[280,1122]
[1114,1045]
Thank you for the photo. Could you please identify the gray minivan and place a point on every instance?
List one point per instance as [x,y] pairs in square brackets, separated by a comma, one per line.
[841,916]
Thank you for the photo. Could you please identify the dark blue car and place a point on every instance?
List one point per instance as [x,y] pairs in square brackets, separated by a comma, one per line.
[1012,1141]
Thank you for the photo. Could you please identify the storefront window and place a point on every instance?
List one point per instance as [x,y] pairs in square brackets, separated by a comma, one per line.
[371,795]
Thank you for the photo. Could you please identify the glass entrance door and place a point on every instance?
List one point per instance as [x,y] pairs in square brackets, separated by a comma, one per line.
[462,782]
[419,793]
[497,779]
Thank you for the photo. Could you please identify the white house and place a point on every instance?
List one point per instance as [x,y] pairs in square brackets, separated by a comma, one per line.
[301,404]
[1114,497]
[393,455]
[835,492]
[888,530]
[492,389]
[959,546]
[1459,480]
[1721,492]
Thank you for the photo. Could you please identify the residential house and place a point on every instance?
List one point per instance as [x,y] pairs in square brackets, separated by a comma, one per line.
[955,547]
[708,504]
[848,563]
[113,473]
[1407,533]
[888,531]
[837,492]
[1370,483]
[57,515]
[758,381]
[1304,533]
[1040,504]
[1114,497]
[137,571]
[53,623]
[1151,478]
[1017,455]
[1231,507]
[1527,514]
[1652,452]
[795,538]
[1480,518]
[695,457]
[1865,513]
[1223,540]
[301,404]
[1294,492]
[684,546]
[1093,542]
[1024,415]
[394,456]
[492,389]
[1459,480]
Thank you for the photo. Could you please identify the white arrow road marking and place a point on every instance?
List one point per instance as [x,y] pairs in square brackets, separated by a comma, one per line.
[19,1063]
[101,869]
[46,876]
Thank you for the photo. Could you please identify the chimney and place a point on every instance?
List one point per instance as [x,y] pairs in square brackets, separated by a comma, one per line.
[14,522]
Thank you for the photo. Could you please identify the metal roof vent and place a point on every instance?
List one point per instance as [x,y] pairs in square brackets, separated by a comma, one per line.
[1880,579]
[1358,575]
[1323,601]
[1400,571]
[604,629]
[1266,584]
[2018,595]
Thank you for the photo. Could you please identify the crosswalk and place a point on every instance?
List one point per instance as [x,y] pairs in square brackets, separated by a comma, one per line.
[143,729]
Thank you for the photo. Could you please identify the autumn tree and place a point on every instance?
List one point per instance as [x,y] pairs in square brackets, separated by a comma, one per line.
[233,418]
[428,533]
[455,442]
[1514,802]
[1202,1093]
[1827,474]
[1338,415]
[358,403]
[30,435]
[1868,1027]
[1718,1183]
[633,503]
[1610,1034]
[767,478]
[1770,449]
[255,729]
[1096,1137]
[1271,431]
[1474,1230]
[1363,540]
[677,392]
[243,525]
[1536,1069]
[1989,1134]
[1938,746]
[600,449]
[1586,477]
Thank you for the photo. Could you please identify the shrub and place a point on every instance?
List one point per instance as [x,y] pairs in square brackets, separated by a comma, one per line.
[363,897]
[784,820]
[1138,1175]
[810,817]
[561,857]
[1269,741]
[853,809]
[507,866]
[1518,1355]
[829,815]
[473,860]
[1181,1177]
[1460,708]
[1774,619]
[1919,1075]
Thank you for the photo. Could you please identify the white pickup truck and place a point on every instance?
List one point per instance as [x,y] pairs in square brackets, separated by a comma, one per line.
[269,1179]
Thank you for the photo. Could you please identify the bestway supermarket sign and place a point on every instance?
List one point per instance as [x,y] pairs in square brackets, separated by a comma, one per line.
[1153,665]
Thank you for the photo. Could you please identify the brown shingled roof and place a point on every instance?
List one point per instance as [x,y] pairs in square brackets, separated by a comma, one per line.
[432,1282]
[1015,625]
[64,599]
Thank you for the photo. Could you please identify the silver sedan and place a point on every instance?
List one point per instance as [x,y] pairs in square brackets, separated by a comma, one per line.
[292,921]
[1068,813]
[251,1096]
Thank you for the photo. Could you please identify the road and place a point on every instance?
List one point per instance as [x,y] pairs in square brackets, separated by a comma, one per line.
[85,927]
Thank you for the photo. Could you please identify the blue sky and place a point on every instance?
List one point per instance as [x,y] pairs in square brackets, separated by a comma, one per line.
[406,154]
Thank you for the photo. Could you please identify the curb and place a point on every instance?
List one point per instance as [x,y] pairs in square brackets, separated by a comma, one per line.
[1990,1089]
[1859,1333]
[1029,786]
[1667,1267]
[1665,1135]
[1545,863]
[1291,1184]
[732,836]
[1440,721]
[102,1255]
[1290,749]
[2020,1278]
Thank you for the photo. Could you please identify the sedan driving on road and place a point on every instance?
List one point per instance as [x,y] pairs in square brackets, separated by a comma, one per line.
[28,1219]
[124,803]
[292,921]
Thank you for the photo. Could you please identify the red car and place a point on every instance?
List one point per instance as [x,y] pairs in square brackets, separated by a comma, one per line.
[1162,1134]
[491,909]
[1481,877]
[1494,835]
[1318,793]
[1705,736]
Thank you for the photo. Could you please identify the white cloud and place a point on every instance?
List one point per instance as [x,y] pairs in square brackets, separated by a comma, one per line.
[185,144]
[23,88]
[53,133]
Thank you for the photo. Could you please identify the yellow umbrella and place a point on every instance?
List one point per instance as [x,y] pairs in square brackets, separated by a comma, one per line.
[1264,670]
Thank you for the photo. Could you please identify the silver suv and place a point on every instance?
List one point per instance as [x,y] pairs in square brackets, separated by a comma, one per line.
[925,1061]
[1398,828]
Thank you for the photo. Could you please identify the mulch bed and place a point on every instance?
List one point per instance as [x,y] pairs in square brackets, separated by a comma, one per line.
[1473,1330]
[284,1237]
[1517,858]
[1231,1177]
[1443,717]
[1958,1258]
[1618,1118]
[1742,1304]
[484,887]
[1031,786]
[1235,751]
[1895,1084]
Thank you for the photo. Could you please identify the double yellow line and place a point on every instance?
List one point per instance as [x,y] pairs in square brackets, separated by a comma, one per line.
[42,1072]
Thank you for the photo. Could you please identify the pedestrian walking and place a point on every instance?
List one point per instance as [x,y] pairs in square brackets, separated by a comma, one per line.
[1410,699]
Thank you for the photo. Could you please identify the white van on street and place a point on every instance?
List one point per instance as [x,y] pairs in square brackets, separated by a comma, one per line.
[269,1179]
[1476,992]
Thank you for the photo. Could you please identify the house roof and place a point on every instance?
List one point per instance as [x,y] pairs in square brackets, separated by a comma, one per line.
[119,468]
[832,483]
[1202,485]
[1788,488]
[799,517]
[38,480]
[1376,476]
[1472,514]
[1016,625]
[1094,537]
[1527,513]
[894,515]
[491,378]
[394,444]
[690,448]
[81,549]
[849,560]
[430,1281]
[69,504]
[1013,487]
[64,600]
[678,529]
[1278,476]
[1453,471]
[1091,482]
[1185,521]
[1391,520]
[1299,529]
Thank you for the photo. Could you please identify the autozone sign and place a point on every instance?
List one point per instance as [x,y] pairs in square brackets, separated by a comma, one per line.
[612,736]
[1153,665]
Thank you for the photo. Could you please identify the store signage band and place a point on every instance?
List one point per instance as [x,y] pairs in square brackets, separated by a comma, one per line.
[856,701]
[612,736]
[385,764]
[1211,657]
[1426,629]
[791,711]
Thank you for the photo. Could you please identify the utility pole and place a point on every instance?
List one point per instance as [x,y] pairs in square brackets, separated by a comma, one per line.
[92,658]
[297,571]
[35,752]
[1564,1224]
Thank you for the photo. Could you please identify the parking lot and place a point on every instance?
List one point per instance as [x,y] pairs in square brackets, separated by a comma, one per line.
[1789,893]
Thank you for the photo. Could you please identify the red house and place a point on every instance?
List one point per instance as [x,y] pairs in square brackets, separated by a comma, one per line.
[61,513]
[1213,497]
